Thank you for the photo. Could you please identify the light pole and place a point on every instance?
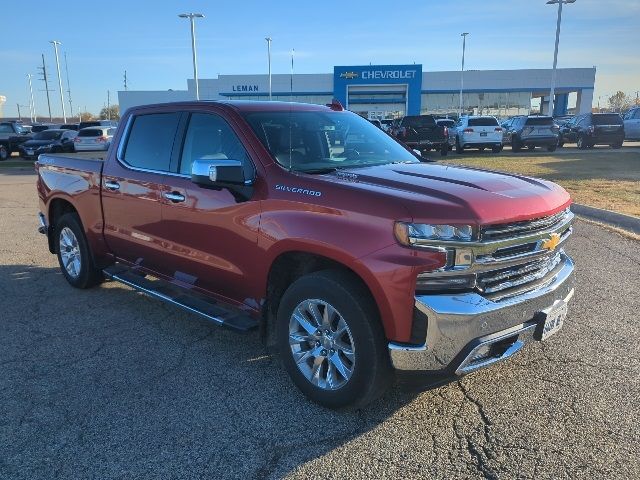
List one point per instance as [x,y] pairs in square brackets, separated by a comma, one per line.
[555,52]
[55,44]
[32,102]
[191,17]
[268,39]
[464,46]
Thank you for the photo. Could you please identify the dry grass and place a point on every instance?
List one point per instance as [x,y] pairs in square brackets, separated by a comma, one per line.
[609,180]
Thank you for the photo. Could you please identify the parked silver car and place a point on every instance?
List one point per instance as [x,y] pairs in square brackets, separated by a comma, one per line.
[632,124]
[94,138]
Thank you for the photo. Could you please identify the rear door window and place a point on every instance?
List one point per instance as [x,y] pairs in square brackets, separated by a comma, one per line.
[150,141]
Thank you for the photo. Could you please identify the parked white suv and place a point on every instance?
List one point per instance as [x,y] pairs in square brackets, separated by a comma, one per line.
[476,132]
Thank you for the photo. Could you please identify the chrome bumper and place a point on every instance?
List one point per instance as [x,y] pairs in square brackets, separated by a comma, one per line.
[458,324]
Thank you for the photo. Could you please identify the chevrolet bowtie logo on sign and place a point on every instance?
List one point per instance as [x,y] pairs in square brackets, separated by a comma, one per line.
[349,75]
[551,243]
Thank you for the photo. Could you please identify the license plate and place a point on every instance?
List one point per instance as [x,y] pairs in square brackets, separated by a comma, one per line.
[551,321]
[483,134]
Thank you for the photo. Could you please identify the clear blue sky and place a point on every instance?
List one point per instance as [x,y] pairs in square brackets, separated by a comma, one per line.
[146,38]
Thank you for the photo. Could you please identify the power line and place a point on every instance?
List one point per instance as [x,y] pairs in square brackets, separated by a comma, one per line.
[66,67]
[43,69]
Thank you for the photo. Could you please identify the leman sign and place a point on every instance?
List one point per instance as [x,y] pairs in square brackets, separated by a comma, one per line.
[388,74]
[244,88]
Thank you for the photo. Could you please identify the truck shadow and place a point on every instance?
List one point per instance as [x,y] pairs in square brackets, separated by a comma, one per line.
[108,378]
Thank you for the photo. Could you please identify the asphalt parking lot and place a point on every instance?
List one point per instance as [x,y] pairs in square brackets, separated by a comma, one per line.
[107,383]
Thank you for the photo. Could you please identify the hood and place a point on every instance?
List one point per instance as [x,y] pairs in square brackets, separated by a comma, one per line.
[438,193]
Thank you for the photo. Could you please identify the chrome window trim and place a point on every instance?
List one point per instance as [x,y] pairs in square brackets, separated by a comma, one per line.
[119,154]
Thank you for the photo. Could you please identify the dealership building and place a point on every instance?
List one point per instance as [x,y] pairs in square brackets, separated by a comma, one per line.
[390,91]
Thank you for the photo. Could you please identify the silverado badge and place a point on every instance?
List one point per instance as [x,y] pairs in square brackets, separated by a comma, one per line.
[551,243]
[349,75]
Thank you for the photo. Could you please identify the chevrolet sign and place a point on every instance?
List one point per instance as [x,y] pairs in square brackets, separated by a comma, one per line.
[349,75]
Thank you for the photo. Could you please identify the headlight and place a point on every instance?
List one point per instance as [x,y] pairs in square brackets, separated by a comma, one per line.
[421,233]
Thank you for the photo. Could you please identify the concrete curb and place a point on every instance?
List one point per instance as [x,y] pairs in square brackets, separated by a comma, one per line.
[626,222]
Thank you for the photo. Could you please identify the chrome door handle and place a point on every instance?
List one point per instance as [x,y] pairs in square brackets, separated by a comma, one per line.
[175,197]
[109,185]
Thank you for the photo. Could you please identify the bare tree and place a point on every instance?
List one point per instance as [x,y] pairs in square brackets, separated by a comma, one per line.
[111,113]
[619,102]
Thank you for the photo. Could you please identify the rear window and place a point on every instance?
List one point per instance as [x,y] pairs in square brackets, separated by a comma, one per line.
[421,121]
[607,119]
[90,132]
[446,123]
[48,135]
[89,124]
[39,128]
[539,121]
[483,122]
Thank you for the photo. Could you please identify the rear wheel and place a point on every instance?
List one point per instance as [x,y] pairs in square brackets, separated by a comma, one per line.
[516,146]
[582,143]
[4,152]
[551,148]
[331,341]
[459,148]
[531,147]
[481,149]
[617,145]
[73,252]
[444,150]
[496,148]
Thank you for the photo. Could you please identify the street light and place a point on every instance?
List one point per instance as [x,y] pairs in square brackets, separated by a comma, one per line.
[55,44]
[464,46]
[191,17]
[32,103]
[268,39]
[555,52]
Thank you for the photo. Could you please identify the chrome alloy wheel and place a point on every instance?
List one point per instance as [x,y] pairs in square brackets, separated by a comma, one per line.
[321,344]
[70,252]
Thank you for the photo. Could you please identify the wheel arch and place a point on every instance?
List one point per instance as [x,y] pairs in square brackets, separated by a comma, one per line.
[57,208]
[289,265]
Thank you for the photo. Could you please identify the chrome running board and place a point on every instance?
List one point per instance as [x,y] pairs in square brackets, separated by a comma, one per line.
[220,314]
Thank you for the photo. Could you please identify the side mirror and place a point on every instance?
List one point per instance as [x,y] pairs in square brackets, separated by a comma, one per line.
[217,173]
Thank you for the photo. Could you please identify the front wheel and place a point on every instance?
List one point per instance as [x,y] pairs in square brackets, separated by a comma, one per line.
[617,145]
[73,252]
[516,146]
[4,152]
[582,143]
[444,149]
[551,148]
[331,341]
[459,148]
[496,148]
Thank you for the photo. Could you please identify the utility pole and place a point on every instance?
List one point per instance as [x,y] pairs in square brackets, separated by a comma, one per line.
[125,81]
[269,39]
[464,46]
[19,114]
[66,67]
[55,44]
[108,105]
[555,52]
[192,17]
[32,102]
[46,86]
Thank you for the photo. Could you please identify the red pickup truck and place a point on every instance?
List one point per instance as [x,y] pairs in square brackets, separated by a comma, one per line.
[352,257]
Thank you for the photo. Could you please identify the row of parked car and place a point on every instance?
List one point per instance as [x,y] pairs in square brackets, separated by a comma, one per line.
[425,132]
[32,140]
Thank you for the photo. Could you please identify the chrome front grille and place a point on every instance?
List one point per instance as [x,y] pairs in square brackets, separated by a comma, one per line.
[508,259]
[509,230]
[518,275]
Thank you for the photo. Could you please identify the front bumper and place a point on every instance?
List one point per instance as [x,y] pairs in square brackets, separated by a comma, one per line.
[459,323]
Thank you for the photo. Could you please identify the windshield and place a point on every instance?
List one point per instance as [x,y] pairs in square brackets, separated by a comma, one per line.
[47,135]
[308,141]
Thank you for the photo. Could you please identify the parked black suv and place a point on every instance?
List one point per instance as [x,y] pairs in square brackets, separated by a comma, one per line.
[592,129]
[530,131]
[421,132]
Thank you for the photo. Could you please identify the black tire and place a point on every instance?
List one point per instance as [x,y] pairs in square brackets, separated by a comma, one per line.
[459,148]
[444,150]
[582,143]
[496,149]
[531,147]
[617,145]
[516,146]
[372,372]
[560,144]
[4,152]
[551,148]
[88,275]
[481,149]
